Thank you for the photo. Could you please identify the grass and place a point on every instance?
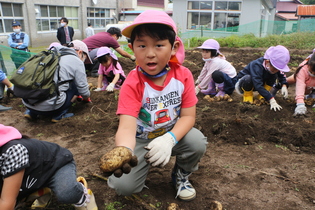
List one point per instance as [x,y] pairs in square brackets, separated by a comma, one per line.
[300,40]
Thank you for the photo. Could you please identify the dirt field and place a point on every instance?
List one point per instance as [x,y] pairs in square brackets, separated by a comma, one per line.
[256,158]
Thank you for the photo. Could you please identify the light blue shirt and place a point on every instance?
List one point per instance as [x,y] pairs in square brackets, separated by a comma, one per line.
[22,46]
[2,75]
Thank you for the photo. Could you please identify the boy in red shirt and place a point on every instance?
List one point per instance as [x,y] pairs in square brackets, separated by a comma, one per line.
[157,107]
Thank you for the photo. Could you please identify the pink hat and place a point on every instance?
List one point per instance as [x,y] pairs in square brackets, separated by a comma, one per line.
[157,17]
[210,44]
[79,45]
[105,50]
[8,133]
[54,44]
[279,57]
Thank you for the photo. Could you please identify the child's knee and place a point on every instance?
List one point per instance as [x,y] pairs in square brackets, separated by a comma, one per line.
[121,187]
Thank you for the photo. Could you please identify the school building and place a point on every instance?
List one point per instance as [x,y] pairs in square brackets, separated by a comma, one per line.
[40,18]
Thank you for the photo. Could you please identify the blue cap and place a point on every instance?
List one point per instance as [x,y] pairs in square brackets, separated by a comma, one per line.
[16,23]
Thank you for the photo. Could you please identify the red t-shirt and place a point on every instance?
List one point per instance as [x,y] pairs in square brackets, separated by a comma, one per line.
[101,39]
[156,108]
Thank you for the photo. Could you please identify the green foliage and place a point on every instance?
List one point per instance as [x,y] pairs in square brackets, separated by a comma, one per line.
[308,1]
[300,40]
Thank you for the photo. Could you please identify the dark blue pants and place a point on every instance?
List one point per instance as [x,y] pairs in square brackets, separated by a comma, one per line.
[64,108]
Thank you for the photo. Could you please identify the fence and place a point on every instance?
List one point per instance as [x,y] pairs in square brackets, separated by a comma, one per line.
[260,28]
[10,56]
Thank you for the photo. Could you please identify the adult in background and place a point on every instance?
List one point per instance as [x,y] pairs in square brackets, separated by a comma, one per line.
[89,31]
[19,42]
[65,33]
[104,39]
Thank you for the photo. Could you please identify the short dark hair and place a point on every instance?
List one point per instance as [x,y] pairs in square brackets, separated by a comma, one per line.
[89,24]
[154,30]
[114,30]
[64,19]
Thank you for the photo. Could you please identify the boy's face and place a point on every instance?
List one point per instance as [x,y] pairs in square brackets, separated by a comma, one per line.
[152,54]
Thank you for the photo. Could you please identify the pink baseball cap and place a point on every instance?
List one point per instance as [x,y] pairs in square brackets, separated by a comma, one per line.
[210,44]
[79,45]
[54,44]
[157,17]
[8,133]
[279,57]
[105,50]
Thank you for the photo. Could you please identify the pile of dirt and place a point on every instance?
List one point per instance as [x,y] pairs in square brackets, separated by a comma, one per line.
[256,158]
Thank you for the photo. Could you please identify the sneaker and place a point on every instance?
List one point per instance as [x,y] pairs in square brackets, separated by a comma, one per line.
[185,191]
[89,203]
[28,115]
[3,108]
[62,116]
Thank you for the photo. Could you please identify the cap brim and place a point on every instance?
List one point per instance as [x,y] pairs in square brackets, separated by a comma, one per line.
[285,69]
[128,30]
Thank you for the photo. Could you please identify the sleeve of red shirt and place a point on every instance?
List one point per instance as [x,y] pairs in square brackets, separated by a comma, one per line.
[130,96]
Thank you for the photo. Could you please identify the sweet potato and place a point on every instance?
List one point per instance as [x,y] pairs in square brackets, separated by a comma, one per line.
[115,159]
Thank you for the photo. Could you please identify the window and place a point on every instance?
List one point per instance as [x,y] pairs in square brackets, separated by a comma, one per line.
[213,15]
[8,13]
[199,5]
[221,5]
[100,17]
[47,17]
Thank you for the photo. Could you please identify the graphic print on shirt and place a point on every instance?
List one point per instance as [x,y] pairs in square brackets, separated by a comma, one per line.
[160,109]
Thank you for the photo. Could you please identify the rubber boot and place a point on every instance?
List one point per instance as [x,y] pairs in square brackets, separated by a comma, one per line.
[220,87]
[39,199]
[268,88]
[248,96]
[211,89]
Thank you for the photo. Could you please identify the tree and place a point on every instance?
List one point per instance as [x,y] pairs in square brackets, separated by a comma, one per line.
[308,1]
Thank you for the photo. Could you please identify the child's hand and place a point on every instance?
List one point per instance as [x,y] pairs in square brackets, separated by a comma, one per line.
[300,109]
[87,100]
[197,89]
[274,105]
[97,89]
[284,91]
[118,161]
[160,149]
[110,87]
[133,58]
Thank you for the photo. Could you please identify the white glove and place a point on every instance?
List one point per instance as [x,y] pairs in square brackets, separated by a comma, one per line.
[11,88]
[197,89]
[300,109]
[197,82]
[97,89]
[110,87]
[133,58]
[274,105]
[284,91]
[160,149]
